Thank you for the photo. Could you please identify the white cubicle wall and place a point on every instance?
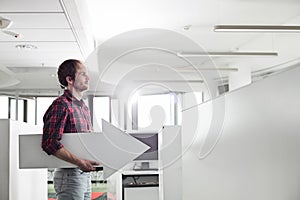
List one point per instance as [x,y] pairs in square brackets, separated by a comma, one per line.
[170,163]
[257,152]
[138,193]
[18,184]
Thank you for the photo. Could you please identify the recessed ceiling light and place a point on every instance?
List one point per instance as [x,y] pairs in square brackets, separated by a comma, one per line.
[25,46]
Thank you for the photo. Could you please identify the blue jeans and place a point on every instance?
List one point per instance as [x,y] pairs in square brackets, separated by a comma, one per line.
[72,184]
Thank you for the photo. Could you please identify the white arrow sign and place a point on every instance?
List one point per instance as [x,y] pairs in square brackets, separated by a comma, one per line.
[112,148]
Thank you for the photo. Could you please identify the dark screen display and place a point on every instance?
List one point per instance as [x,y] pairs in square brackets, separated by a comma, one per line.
[150,139]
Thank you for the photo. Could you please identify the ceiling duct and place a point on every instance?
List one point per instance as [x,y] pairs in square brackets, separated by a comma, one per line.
[7,77]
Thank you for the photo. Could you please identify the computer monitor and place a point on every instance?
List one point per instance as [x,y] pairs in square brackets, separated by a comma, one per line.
[150,139]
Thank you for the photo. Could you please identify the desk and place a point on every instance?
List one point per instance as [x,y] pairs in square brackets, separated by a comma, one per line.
[140,185]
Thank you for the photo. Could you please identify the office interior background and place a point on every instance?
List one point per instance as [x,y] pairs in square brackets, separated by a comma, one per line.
[225,71]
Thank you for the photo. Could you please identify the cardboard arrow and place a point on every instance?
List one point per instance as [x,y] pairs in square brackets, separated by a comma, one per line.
[112,148]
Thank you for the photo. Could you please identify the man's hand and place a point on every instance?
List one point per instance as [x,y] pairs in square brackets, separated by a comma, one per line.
[87,165]
[84,165]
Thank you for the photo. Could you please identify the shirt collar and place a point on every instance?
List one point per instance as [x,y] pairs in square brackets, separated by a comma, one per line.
[71,98]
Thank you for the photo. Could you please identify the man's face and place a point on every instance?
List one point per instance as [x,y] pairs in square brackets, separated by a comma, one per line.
[81,82]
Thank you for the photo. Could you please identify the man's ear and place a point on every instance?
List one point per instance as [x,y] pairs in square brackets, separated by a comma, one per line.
[69,80]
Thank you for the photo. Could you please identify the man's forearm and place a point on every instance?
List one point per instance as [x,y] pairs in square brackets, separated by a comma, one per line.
[65,155]
[84,165]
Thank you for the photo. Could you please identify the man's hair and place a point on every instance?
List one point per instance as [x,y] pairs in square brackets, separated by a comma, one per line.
[67,68]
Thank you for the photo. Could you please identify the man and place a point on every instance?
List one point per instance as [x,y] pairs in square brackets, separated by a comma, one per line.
[69,114]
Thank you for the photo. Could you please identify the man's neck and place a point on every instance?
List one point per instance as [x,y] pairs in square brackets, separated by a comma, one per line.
[75,93]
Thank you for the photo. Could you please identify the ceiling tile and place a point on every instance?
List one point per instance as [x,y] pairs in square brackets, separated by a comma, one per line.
[37,20]
[30,6]
[41,35]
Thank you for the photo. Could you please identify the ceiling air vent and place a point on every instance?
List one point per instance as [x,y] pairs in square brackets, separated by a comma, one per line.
[5,23]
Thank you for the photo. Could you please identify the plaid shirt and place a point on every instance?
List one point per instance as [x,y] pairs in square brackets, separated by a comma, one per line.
[65,115]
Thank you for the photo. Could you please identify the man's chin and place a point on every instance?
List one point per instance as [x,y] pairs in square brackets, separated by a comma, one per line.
[84,89]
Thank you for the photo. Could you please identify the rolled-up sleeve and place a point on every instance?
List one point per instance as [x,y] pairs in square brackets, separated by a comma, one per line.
[54,122]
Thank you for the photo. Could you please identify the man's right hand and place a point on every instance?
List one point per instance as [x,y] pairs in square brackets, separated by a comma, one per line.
[84,165]
[87,165]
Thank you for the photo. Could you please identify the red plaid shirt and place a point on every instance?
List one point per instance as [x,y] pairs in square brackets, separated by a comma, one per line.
[65,115]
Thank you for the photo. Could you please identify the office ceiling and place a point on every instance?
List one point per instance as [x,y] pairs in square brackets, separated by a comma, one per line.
[61,29]
[47,27]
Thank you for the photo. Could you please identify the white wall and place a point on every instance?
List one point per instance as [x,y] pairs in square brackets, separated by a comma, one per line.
[257,155]
[17,184]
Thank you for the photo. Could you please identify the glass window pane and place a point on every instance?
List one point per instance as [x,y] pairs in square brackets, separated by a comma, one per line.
[43,104]
[12,109]
[31,111]
[21,110]
[3,107]
[178,100]
[154,111]
[101,111]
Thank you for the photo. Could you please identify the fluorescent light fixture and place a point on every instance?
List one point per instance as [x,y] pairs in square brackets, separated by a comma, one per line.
[169,81]
[201,54]
[209,69]
[256,28]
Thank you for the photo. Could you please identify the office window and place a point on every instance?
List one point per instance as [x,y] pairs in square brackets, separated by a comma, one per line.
[186,101]
[154,111]
[177,108]
[25,109]
[3,107]
[21,110]
[12,108]
[31,111]
[43,104]
[16,111]
[101,110]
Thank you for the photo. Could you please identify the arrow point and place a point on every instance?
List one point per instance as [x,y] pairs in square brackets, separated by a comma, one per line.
[124,148]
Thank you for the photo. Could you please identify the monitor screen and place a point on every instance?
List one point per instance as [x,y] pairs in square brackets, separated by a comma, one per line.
[150,139]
